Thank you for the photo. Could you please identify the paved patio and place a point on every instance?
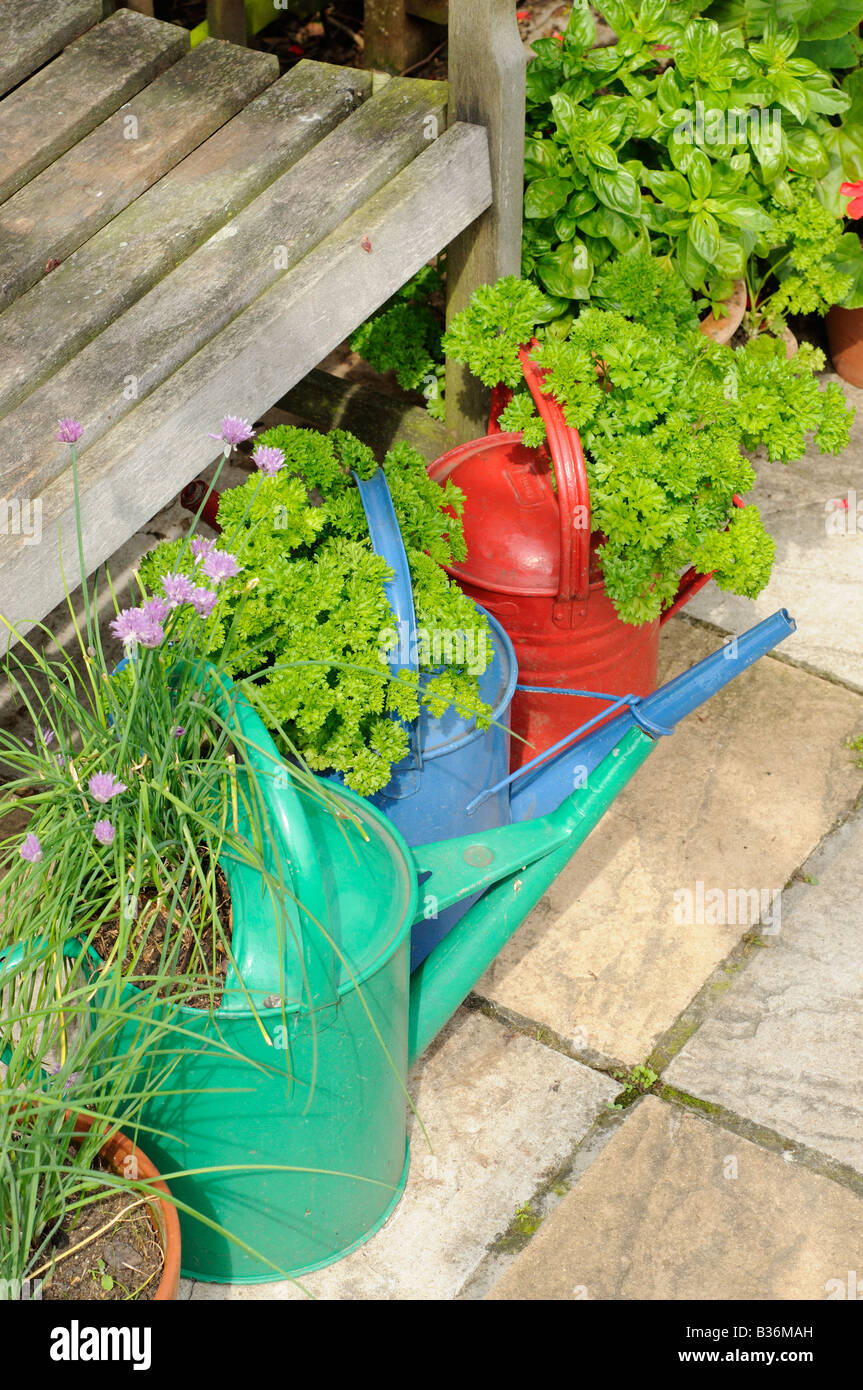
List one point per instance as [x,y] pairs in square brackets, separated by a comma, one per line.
[741,1175]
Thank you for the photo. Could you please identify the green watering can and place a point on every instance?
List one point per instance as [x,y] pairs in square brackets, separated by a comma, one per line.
[286,1106]
[307,1096]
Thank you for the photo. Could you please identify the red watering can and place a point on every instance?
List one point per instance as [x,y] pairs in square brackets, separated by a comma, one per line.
[532,563]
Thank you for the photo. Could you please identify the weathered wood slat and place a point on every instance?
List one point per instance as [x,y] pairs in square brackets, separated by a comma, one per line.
[49,324]
[88,185]
[32,32]
[143,462]
[487,78]
[139,350]
[59,105]
[330,402]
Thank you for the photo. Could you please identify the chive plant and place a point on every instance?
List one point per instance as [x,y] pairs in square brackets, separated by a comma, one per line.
[136,782]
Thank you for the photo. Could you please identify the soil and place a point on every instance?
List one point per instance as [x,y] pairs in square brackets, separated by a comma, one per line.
[124,1262]
[202,956]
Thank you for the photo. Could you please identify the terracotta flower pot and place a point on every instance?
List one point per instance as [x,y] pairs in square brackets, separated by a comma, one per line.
[722,330]
[163,1214]
[845,336]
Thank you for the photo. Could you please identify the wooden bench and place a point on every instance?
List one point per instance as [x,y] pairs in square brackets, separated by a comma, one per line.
[183,235]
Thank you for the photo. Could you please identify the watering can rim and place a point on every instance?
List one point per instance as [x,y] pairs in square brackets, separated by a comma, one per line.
[442,468]
[472,733]
[284,1008]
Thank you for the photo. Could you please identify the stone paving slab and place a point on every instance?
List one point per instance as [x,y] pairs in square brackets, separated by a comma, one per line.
[676,1207]
[818,574]
[503,1113]
[736,799]
[784,1047]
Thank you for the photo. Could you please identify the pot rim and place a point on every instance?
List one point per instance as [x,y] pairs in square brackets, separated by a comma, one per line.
[163,1214]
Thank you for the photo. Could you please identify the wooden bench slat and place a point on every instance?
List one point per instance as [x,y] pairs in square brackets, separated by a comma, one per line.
[31,32]
[139,465]
[89,184]
[59,105]
[49,324]
[216,283]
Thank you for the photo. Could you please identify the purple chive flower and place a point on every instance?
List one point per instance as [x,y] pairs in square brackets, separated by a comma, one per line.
[269,459]
[155,609]
[177,588]
[46,735]
[204,601]
[178,731]
[53,1069]
[234,430]
[200,548]
[104,832]
[150,630]
[69,431]
[219,565]
[142,625]
[103,786]
[31,850]
[126,626]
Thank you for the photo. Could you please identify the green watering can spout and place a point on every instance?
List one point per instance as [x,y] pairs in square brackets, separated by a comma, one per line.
[511,865]
[518,865]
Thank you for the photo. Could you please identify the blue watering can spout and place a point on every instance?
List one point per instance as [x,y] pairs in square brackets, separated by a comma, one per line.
[551,777]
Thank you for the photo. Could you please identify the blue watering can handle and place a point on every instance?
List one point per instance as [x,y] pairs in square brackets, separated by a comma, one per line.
[616,702]
[387,540]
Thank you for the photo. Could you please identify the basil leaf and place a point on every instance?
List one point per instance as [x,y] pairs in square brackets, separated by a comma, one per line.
[738,211]
[699,174]
[618,190]
[670,187]
[540,156]
[848,258]
[580,32]
[704,235]
[806,154]
[567,271]
[546,196]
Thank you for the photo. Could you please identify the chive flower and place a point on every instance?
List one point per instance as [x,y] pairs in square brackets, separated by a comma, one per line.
[103,786]
[177,588]
[219,565]
[31,850]
[204,601]
[104,832]
[69,431]
[269,459]
[234,431]
[200,547]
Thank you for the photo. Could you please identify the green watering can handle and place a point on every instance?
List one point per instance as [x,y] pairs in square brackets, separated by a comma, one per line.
[257,949]
[10,960]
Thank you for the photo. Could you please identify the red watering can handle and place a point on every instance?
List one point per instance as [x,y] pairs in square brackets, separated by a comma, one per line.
[573,492]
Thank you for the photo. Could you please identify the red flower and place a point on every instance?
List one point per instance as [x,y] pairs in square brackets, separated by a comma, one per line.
[854,191]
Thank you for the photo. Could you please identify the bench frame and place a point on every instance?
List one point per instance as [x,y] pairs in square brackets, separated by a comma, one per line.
[486,84]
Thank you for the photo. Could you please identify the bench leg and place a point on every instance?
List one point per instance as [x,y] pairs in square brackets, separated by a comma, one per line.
[395,39]
[226,19]
[486,77]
